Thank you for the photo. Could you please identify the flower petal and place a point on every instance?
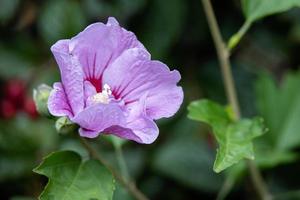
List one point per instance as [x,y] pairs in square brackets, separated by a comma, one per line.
[133,74]
[95,118]
[89,90]
[139,127]
[71,75]
[112,22]
[99,45]
[143,130]
[88,133]
[58,102]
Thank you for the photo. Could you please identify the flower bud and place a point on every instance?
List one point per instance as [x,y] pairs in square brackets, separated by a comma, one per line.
[65,126]
[40,96]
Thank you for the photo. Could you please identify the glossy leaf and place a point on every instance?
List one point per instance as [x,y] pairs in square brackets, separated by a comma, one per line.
[70,178]
[234,137]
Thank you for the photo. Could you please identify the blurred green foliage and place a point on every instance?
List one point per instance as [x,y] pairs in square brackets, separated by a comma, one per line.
[8,9]
[60,19]
[189,155]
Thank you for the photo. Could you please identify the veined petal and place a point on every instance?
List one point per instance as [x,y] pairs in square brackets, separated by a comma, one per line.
[95,118]
[89,90]
[71,75]
[133,74]
[58,102]
[99,45]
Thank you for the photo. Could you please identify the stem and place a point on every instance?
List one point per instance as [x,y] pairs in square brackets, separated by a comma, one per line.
[226,187]
[258,181]
[130,186]
[223,56]
[235,39]
[122,164]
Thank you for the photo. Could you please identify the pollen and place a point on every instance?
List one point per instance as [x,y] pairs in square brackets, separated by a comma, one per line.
[102,97]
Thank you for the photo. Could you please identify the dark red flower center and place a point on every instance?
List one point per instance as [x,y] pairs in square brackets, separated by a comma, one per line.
[97,83]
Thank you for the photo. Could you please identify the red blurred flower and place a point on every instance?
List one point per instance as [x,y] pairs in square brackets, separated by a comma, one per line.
[14,100]
[7,109]
[29,108]
[14,91]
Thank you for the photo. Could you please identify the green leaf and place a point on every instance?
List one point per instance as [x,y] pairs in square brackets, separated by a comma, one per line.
[234,137]
[70,178]
[257,9]
[121,193]
[236,142]
[280,107]
[209,112]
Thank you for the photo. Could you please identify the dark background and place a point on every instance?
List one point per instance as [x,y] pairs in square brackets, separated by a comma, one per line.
[178,165]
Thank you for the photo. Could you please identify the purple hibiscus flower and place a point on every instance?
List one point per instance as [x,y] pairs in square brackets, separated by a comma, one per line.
[110,84]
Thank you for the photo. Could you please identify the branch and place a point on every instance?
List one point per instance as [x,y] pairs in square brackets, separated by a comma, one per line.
[223,56]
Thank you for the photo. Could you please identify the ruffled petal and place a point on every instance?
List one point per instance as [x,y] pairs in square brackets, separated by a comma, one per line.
[139,127]
[95,118]
[133,74]
[58,102]
[99,45]
[166,102]
[142,130]
[71,75]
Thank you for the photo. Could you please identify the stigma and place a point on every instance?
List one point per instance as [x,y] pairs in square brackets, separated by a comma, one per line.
[102,97]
